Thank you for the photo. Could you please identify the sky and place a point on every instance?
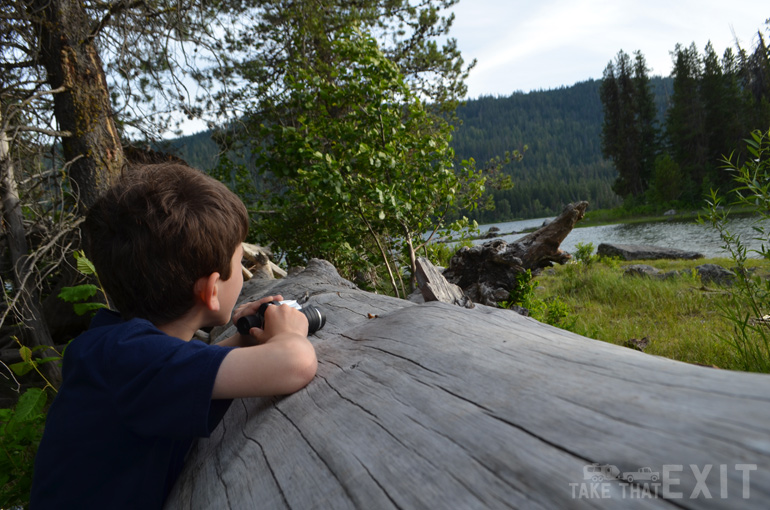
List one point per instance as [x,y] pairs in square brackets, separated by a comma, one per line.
[525,45]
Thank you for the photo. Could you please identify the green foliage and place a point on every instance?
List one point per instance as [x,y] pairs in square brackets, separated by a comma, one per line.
[669,183]
[750,300]
[562,163]
[523,292]
[556,313]
[714,103]
[442,244]
[629,131]
[680,320]
[79,294]
[551,310]
[358,165]
[21,428]
[29,363]
[584,253]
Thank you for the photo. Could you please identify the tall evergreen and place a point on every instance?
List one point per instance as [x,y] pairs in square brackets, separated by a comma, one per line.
[755,69]
[723,107]
[646,123]
[686,120]
[629,127]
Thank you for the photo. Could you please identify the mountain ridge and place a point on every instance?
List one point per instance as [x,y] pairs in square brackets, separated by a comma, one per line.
[561,128]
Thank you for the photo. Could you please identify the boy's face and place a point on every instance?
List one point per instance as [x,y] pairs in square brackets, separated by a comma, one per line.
[230,289]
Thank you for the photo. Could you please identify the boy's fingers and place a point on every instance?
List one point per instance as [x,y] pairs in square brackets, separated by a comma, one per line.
[252,307]
[257,334]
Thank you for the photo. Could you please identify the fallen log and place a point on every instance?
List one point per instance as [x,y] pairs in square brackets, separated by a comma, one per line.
[438,406]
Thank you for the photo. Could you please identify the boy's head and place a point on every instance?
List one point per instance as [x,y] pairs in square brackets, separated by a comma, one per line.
[156,232]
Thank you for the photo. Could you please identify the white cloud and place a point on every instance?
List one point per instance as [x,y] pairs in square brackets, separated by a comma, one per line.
[525,45]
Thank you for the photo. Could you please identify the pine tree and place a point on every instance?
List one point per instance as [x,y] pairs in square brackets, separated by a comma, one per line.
[646,123]
[685,120]
[723,106]
[629,132]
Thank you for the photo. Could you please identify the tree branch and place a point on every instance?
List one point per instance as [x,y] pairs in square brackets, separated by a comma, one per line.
[44,131]
[115,8]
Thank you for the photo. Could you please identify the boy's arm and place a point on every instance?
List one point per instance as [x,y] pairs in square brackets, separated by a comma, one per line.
[282,363]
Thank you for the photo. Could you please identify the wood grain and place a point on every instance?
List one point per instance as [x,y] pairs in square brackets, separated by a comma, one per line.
[436,406]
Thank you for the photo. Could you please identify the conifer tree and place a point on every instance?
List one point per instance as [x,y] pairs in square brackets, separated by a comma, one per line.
[646,123]
[685,119]
[628,130]
[755,71]
[723,106]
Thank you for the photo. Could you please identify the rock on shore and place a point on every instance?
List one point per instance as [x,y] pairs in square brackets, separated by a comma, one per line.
[645,252]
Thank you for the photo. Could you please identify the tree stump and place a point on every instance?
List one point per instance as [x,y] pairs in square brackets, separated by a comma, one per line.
[438,406]
[488,272]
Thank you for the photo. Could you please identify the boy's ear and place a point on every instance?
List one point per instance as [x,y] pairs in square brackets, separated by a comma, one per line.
[206,291]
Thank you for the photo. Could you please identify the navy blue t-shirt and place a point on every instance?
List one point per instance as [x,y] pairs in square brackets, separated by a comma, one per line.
[131,401]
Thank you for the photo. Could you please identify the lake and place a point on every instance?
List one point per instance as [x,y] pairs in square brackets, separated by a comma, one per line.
[681,235]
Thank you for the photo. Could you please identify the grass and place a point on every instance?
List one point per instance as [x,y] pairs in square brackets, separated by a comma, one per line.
[680,317]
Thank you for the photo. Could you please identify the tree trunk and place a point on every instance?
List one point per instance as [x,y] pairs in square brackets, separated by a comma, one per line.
[72,61]
[27,305]
[437,406]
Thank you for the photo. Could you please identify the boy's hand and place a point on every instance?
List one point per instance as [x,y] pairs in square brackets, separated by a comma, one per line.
[277,319]
[252,307]
[283,363]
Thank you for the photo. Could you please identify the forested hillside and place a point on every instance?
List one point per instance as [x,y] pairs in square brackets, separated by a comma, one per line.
[561,129]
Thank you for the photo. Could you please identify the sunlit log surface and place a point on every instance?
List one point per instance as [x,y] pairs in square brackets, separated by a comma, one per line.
[440,407]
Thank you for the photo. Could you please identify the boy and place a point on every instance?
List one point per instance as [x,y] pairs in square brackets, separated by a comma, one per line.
[136,390]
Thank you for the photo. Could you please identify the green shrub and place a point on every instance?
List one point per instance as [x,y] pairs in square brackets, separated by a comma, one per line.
[21,428]
[551,310]
[750,299]
[584,253]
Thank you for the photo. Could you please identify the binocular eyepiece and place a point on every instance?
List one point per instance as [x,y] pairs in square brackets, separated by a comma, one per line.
[315,318]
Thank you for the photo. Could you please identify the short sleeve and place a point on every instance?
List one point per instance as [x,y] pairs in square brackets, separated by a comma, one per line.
[162,385]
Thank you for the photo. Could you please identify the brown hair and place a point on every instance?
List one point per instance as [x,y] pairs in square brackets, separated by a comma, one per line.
[157,231]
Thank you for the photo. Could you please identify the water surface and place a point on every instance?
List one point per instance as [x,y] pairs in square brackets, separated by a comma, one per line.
[681,235]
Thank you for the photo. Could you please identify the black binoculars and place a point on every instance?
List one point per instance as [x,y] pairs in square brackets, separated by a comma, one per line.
[315,318]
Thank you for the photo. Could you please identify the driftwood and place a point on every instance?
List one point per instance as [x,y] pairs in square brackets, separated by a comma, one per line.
[434,287]
[488,272]
[259,262]
[437,406]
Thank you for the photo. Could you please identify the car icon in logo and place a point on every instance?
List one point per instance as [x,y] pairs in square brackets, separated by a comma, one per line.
[645,473]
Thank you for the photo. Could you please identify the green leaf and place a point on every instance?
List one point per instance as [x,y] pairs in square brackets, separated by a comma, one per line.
[30,404]
[25,353]
[84,308]
[21,367]
[84,265]
[78,293]
[48,359]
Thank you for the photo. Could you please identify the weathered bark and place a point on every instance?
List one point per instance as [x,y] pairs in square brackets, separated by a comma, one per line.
[72,61]
[434,287]
[488,272]
[437,406]
[26,296]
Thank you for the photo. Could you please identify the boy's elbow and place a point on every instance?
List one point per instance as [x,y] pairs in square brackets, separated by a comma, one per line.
[309,368]
[305,366]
